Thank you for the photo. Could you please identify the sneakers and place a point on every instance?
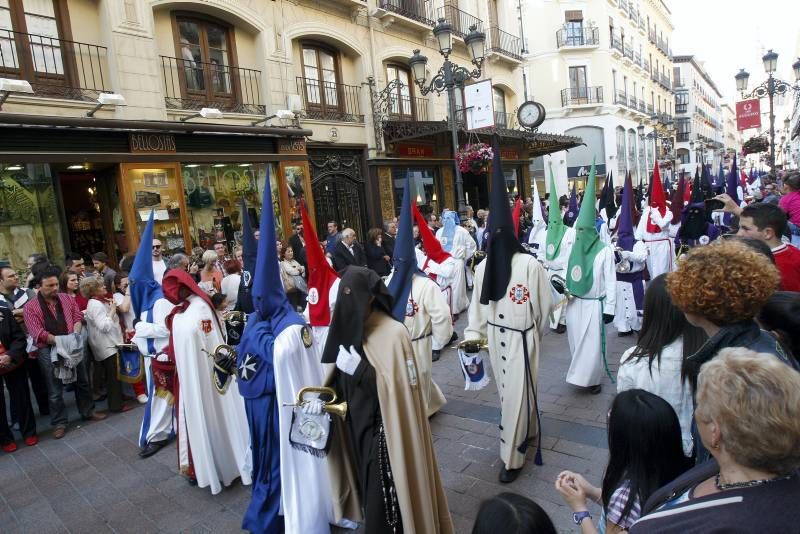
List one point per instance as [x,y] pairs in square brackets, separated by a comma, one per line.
[142,399]
[30,441]
[9,447]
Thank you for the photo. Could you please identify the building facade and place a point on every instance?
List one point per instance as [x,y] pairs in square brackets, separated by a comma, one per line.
[603,70]
[68,181]
[731,137]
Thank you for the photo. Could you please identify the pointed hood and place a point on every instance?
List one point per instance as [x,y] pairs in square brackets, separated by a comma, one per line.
[580,270]
[404,258]
[555,223]
[433,248]
[607,199]
[269,298]
[635,199]
[516,213]
[145,291]
[537,217]
[706,188]
[731,188]
[572,207]
[503,242]
[244,300]
[658,200]
[625,238]
[178,285]
[321,275]
[449,222]
[677,201]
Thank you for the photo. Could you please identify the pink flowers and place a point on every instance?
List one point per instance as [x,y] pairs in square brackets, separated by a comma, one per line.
[474,158]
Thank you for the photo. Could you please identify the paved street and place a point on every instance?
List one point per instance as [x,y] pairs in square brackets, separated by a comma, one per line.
[93,481]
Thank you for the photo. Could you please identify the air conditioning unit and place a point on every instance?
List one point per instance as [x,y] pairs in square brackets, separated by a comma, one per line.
[294,103]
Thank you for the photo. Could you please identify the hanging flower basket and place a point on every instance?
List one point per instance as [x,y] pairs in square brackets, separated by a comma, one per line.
[754,145]
[474,158]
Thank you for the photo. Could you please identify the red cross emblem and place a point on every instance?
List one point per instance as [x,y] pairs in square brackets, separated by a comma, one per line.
[205,326]
[519,294]
[411,308]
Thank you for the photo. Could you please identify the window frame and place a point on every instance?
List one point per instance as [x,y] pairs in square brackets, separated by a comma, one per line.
[322,105]
[412,112]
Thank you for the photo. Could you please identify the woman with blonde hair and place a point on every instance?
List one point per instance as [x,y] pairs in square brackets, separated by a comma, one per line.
[748,415]
[210,276]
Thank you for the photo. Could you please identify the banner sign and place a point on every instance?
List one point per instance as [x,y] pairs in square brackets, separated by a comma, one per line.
[748,114]
[583,170]
[414,150]
[479,103]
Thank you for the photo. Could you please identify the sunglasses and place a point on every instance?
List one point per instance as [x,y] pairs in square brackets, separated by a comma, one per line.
[156,246]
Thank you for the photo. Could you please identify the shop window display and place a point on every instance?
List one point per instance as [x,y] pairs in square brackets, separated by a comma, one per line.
[424,188]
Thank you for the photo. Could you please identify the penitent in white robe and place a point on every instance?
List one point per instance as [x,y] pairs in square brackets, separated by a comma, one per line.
[521,313]
[463,248]
[660,246]
[305,488]
[213,425]
[158,422]
[321,332]
[427,320]
[558,266]
[626,316]
[585,325]
[450,279]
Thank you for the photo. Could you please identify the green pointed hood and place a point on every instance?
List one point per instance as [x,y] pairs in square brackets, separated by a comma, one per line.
[555,224]
[580,275]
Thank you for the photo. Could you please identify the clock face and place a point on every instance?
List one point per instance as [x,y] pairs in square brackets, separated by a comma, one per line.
[530,114]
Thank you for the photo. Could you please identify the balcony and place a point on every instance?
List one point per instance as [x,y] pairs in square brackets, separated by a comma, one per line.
[192,85]
[329,101]
[663,118]
[642,26]
[682,137]
[421,12]
[621,98]
[637,58]
[651,35]
[460,20]
[55,68]
[650,109]
[665,82]
[627,52]
[681,109]
[502,119]
[572,39]
[646,64]
[408,108]
[623,5]
[505,44]
[616,44]
[581,96]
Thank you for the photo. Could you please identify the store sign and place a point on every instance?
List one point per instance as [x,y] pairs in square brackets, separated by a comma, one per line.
[294,145]
[748,114]
[583,170]
[414,150]
[151,143]
[508,153]
[479,103]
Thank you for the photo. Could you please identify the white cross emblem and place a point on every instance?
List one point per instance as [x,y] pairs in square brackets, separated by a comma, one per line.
[248,367]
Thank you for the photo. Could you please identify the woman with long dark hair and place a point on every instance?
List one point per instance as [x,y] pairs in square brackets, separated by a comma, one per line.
[645,452]
[655,364]
[781,316]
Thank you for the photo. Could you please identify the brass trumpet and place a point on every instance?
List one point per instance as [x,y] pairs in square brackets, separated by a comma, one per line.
[330,406]
[471,346]
[224,358]
[560,286]
[234,316]
[623,265]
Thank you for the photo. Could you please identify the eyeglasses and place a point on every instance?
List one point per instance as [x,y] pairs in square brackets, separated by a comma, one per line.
[156,246]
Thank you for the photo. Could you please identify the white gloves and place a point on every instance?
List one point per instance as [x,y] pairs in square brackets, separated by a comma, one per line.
[626,254]
[312,407]
[162,357]
[348,360]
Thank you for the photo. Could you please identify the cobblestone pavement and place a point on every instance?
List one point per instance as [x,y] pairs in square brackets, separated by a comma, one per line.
[93,481]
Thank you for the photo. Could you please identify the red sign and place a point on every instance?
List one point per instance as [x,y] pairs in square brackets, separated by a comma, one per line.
[507,153]
[414,151]
[748,114]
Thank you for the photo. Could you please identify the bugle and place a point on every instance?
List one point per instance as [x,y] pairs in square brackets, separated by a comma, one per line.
[329,406]
[471,346]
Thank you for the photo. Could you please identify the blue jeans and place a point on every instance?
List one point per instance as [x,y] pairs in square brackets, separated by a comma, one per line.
[55,390]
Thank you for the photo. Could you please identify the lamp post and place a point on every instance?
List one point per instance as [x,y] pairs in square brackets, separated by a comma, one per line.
[769,88]
[450,77]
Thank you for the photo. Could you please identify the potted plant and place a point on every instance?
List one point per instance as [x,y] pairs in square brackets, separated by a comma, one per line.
[474,158]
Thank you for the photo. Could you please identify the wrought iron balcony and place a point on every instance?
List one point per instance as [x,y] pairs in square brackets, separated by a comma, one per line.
[616,43]
[651,35]
[329,101]
[579,96]
[665,81]
[642,25]
[505,43]
[682,137]
[649,109]
[54,67]
[421,11]
[623,5]
[637,58]
[621,98]
[460,20]
[681,108]
[407,108]
[628,51]
[646,64]
[192,85]
[502,119]
[585,37]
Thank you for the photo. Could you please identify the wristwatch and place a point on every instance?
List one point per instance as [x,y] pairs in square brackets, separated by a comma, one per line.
[578,517]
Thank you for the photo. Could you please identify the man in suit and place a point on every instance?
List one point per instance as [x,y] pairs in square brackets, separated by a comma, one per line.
[348,251]
[389,235]
[298,244]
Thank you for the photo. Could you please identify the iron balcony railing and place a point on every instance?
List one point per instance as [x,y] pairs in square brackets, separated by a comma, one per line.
[623,5]
[407,108]
[192,85]
[585,37]
[329,101]
[664,118]
[654,76]
[665,81]
[651,35]
[505,43]
[628,51]
[54,67]
[621,98]
[576,96]
[419,10]
[460,20]
[616,43]
[681,108]
[646,64]
[502,119]
[682,137]
[642,25]
[649,109]
[637,58]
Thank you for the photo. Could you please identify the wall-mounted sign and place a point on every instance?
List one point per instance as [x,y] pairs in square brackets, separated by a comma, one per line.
[293,145]
[414,150]
[509,153]
[748,114]
[151,143]
[479,103]
[583,170]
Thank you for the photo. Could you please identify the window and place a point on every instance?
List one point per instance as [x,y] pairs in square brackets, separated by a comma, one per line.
[683,156]
[631,144]
[614,81]
[499,101]
[577,83]
[573,28]
[320,74]
[30,45]
[621,150]
[203,50]
[400,102]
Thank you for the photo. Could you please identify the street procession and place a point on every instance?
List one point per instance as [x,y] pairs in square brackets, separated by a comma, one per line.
[488,298]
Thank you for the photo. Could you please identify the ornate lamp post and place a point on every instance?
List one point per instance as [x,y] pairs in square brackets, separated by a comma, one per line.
[769,88]
[450,77]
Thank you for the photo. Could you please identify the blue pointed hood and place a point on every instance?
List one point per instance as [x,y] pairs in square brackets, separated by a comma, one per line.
[731,187]
[249,243]
[269,298]
[404,257]
[145,291]
[572,207]
[625,239]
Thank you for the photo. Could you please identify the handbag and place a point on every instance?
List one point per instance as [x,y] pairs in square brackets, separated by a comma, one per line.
[310,433]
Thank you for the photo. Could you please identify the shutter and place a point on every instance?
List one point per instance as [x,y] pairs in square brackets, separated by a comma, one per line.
[573,16]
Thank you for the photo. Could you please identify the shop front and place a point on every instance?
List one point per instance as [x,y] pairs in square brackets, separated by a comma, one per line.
[91,186]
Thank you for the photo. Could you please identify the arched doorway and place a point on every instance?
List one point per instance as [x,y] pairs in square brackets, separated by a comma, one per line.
[338,183]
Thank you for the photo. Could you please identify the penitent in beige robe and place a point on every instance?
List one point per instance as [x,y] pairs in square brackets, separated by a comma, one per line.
[427,319]
[523,311]
[420,494]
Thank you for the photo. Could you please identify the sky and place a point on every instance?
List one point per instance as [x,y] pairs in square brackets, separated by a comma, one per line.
[731,34]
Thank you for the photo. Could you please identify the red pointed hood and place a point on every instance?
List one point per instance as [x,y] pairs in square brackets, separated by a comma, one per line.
[515,215]
[321,276]
[658,200]
[433,249]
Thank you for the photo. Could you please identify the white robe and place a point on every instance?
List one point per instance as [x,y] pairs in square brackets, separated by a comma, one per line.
[558,266]
[427,320]
[213,425]
[450,278]
[660,246]
[524,307]
[626,316]
[305,488]
[161,418]
[585,322]
[321,332]
[463,245]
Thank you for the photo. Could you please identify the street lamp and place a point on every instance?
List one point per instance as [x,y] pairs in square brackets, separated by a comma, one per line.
[769,89]
[448,78]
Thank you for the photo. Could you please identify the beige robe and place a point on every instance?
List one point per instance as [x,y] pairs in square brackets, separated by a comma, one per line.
[420,494]
[524,307]
[427,318]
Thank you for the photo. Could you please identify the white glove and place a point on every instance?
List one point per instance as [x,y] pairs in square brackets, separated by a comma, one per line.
[348,360]
[626,254]
[162,357]
[312,407]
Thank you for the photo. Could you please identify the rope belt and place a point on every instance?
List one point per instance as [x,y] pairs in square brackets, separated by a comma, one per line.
[602,333]
[423,336]
[530,390]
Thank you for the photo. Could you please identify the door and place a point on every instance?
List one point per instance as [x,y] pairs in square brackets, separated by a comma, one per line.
[338,183]
[204,62]
[577,84]
[320,81]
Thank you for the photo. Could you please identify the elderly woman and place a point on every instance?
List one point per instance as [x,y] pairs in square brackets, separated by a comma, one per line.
[748,413]
[377,260]
[210,276]
[105,334]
